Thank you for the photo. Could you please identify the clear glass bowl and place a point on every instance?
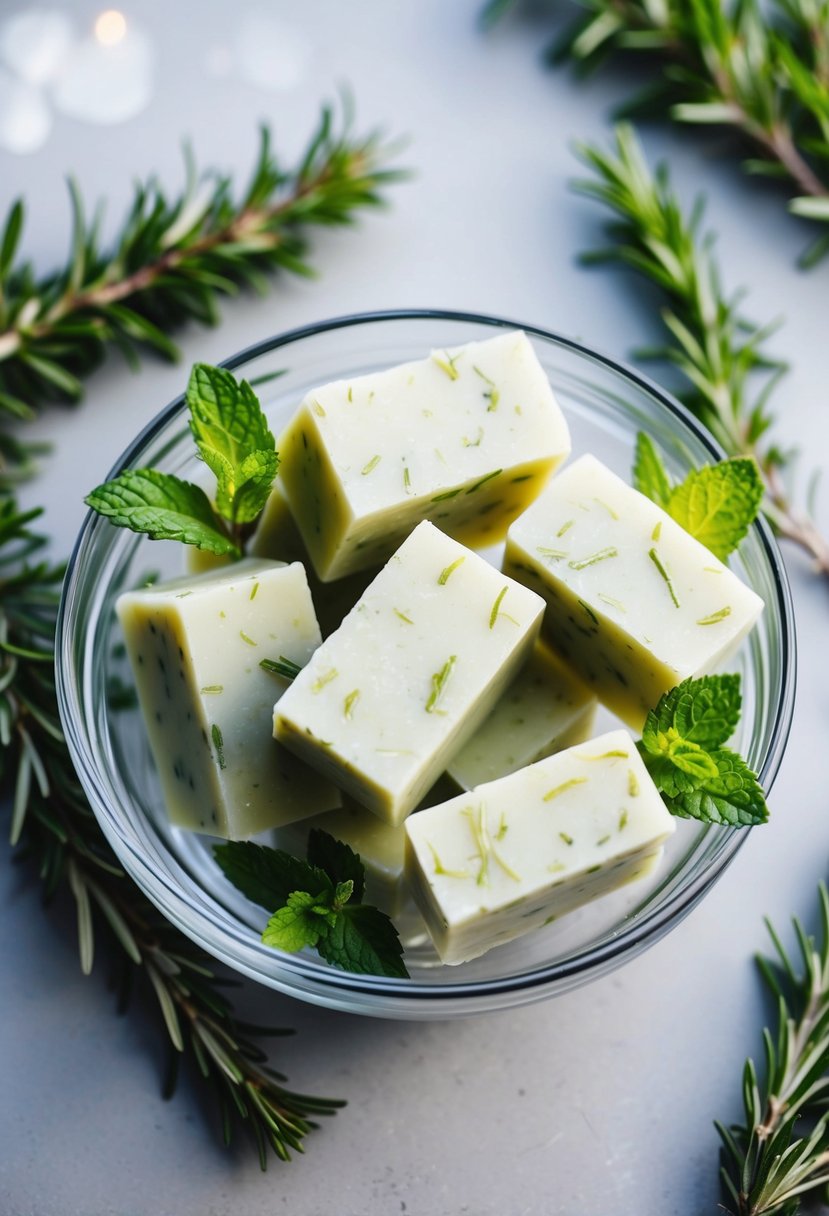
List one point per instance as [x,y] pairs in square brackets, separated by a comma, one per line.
[606,405]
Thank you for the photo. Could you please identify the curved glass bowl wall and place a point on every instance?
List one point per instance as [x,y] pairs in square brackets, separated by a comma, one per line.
[605,406]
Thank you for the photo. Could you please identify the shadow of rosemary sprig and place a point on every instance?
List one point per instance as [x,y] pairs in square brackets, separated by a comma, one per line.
[57,834]
[781,1151]
[720,352]
[171,260]
[761,69]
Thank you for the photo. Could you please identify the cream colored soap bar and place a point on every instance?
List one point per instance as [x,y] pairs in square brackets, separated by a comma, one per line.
[634,603]
[195,645]
[465,438]
[517,853]
[412,671]
[544,710]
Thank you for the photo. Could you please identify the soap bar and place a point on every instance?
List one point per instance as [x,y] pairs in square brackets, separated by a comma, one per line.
[517,853]
[194,645]
[412,671]
[465,438]
[544,710]
[278,538]
[634,603]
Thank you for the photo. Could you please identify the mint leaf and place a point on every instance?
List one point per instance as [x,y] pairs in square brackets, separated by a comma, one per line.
[718,503]
[339,862]
[164,507]
[268,876]
[690,759]
[296,925]
[733,797]
[364,941]
[233,439]
[704,711]
[649,474]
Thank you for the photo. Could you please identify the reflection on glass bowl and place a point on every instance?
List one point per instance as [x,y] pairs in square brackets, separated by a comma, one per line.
[606,405]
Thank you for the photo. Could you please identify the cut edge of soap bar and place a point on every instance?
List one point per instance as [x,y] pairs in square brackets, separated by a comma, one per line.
[293,726]
[160,610]
[561,890]
[320,499]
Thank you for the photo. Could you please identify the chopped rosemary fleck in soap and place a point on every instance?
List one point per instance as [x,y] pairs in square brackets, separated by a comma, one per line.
[623,819]
[568,840]
[654,556]
[613,514]
[603,840]
[439,681]
[449,570]
[370,466]
[715,617]
[441,869]
[447,364]
[317,408]
[447,494]
[350,701]
[218,743]
[210,688]
[565,527]
[633,784]
[324,679]
[560,789]
[496,612]
[483,481]
[473,443]
[254,589]
[617,753]
[407,480]
[600,556]
[403,616]
[281,667]
[553,555]
[657,531]
[247,640]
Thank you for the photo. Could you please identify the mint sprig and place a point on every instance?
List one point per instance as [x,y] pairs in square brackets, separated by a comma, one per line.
[316,903]
[234,441]
[236,444]
[682,746]
[716,504]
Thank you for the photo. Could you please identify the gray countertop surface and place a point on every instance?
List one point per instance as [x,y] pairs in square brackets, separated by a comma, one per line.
[597,1103]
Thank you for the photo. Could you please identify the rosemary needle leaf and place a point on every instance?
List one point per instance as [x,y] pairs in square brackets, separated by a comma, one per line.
[719,352]
[172,258]
[761,69]
[781,1150]
[61,841]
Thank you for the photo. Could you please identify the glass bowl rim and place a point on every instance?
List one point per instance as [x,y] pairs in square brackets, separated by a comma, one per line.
[380,988]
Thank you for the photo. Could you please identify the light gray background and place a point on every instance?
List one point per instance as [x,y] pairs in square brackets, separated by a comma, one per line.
[600,1102]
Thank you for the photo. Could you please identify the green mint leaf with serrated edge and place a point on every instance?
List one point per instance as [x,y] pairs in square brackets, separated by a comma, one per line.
[268,876]
[164,507]
[339,862]
[650,476]
[234,440]
[296,925]
[703,711]
[672,779]
[718,503]
[363,941]
[733,797]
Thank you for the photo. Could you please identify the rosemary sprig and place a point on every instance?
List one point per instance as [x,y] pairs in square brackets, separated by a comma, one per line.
[782,1150]
[718,350]
[55,829]
[760,68]
[170,261]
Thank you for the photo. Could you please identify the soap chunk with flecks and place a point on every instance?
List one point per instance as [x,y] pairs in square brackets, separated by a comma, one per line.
[515,854]
[634,603]
[545,709]
[466,438]
[194,645]
[410,674]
